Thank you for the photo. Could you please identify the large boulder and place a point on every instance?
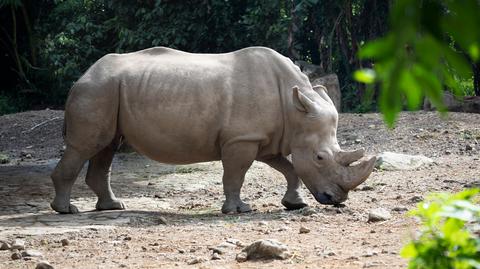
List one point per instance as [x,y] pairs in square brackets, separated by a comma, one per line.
[469,104]
[396,161]
[317,76]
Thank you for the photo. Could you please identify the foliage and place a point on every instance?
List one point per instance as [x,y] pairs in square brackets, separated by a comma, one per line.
[430,44]
[67,36]
[446,240]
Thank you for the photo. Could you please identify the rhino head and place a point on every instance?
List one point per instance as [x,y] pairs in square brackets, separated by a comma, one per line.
[324,168]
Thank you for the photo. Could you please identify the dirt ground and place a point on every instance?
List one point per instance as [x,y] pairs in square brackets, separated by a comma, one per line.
[173,212]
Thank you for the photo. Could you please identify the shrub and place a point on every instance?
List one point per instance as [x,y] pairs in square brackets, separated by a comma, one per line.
[449,235]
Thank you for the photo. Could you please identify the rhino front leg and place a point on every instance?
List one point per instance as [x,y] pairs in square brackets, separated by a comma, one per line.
[63,177]
[292,199]
[236,159]
[98,179]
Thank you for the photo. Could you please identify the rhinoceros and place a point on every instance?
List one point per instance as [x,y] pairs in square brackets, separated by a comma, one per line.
[179,108]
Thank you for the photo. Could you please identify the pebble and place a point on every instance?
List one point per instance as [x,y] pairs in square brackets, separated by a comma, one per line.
[378,214]
[265,249]
[216,256]
[308,211]
[18,244]
[43,265]
[65,242]
[196,260]
[241,257]
[32,253]
[400,209]
[304,230]
[5,246]
[468,147]
[16,255]
[263,223]
[4,159]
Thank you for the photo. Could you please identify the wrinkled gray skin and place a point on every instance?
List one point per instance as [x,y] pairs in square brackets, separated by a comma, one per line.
[180,108]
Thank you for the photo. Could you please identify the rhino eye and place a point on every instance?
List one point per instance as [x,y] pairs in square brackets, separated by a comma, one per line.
[319,157]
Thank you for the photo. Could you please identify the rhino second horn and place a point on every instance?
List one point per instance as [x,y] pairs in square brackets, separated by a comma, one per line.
[345,158]
[358,174]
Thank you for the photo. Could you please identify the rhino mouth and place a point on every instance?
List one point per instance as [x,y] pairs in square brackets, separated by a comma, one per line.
[325,198]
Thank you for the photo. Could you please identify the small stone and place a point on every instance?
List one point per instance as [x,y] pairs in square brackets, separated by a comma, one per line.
[263,223]
[43,265]
[469,147]
[308,211]
[43,242]
[16,255]
[127,238]
[32,253]
[65,242]
[181,251]
[358,141]
[196,260]
[367,188]
[18,244]
[416,199]
[216,256]
[241,257]
[304,230]
[4,159]
[266,249]
[5,246]
[378,214]
[400,209]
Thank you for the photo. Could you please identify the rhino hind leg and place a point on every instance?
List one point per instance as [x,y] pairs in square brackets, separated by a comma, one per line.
[292,199]
[98,178]
[64,177]
[236,159]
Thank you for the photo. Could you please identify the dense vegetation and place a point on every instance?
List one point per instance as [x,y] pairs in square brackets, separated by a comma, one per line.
[47,44]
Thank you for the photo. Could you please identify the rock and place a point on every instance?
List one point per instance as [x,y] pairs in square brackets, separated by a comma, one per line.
[304,230]
[330,81]
[241,257]
[32,253]
[223,247]
[43,265]
[236,242]
[400,209]
[18,244]
[379,214]
[65,242]
[216,256]
[263,223]
[308,211]
[395,161]
[469,147]
[5,246]
[16,255]
[416,199]
[196,260]
[266,249]
[4,159]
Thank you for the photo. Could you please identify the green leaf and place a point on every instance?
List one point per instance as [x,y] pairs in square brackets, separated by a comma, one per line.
[366,76]
[474,51]
[409,251]
[412,89]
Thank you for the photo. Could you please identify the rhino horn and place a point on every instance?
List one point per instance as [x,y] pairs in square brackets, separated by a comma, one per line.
[357,174]
[345,158]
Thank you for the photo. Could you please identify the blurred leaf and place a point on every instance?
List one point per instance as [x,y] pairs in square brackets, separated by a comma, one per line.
[366,76]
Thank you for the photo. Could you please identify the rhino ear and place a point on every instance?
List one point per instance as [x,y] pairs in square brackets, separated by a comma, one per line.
[322,91]
[301,101]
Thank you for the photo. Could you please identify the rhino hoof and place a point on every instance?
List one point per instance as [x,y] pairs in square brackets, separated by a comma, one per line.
[294,206]
[70,209]
[232,208]
[110,205]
